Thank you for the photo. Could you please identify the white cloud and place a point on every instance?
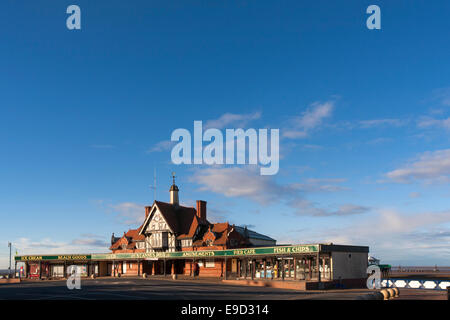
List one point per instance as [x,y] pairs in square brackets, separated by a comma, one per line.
[85,244]
[307,208]
[349,209]
[309,120]
[415,195]
[313,147]
[442,95]
[240,182]
[393,222]
[378,141]
[248,184]
[393,236]
[129,213]
[227,120]
[321,185]
[427,122]
[233,120]
[165,145]
[430,167]
[382,122]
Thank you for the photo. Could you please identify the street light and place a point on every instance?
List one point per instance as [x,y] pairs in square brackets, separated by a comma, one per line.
[9,245]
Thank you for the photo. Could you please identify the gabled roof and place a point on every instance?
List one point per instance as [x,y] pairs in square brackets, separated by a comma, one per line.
[181,220]
[119,243]
[129,239]
[134,234]
[192,229]
[219,233]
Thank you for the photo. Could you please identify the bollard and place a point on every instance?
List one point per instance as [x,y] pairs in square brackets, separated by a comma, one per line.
[144,275]
[391,293]
[396,291]
[385,294]
[174,277]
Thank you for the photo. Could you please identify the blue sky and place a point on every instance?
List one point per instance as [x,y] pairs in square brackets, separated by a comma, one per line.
[85,117]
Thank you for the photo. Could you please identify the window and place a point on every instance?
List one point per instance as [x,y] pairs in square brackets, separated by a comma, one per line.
[209,263]
[165,239]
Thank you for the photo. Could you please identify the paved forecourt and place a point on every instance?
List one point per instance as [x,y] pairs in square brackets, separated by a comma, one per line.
[158,289]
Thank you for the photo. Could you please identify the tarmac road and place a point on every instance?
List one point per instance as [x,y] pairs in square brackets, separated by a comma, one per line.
[159,289]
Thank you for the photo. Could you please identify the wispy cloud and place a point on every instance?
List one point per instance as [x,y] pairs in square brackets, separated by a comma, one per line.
[91,242]
[240,182]
[232,120]
[305,207]
[390,221]
[84,244]
[427,122]
[227,120]
[392,235]
[248,184]
[321,185]
[442,95]
[430,167]
[415,195]
[378,141]
[129,213]
[165,145]
[382,122]
[311,119]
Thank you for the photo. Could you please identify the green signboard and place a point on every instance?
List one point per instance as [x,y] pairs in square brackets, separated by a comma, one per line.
[71,257]
[299,249]
[210,253]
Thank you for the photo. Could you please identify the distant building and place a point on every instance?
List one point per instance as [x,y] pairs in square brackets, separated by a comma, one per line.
[373,260]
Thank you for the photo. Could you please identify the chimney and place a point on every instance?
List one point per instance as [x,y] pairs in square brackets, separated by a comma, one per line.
[201,209]
[147,211]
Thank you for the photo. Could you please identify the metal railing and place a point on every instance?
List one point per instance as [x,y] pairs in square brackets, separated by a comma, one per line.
[430,284]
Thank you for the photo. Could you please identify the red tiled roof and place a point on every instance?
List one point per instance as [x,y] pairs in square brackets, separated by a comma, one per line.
[134,234]
[119,243]
[129,238]
[193,227]
[184,222]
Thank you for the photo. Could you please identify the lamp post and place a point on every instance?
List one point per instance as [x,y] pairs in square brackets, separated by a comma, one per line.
[9,245]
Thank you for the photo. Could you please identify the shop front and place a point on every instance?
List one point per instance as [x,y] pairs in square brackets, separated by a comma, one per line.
[320,263]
